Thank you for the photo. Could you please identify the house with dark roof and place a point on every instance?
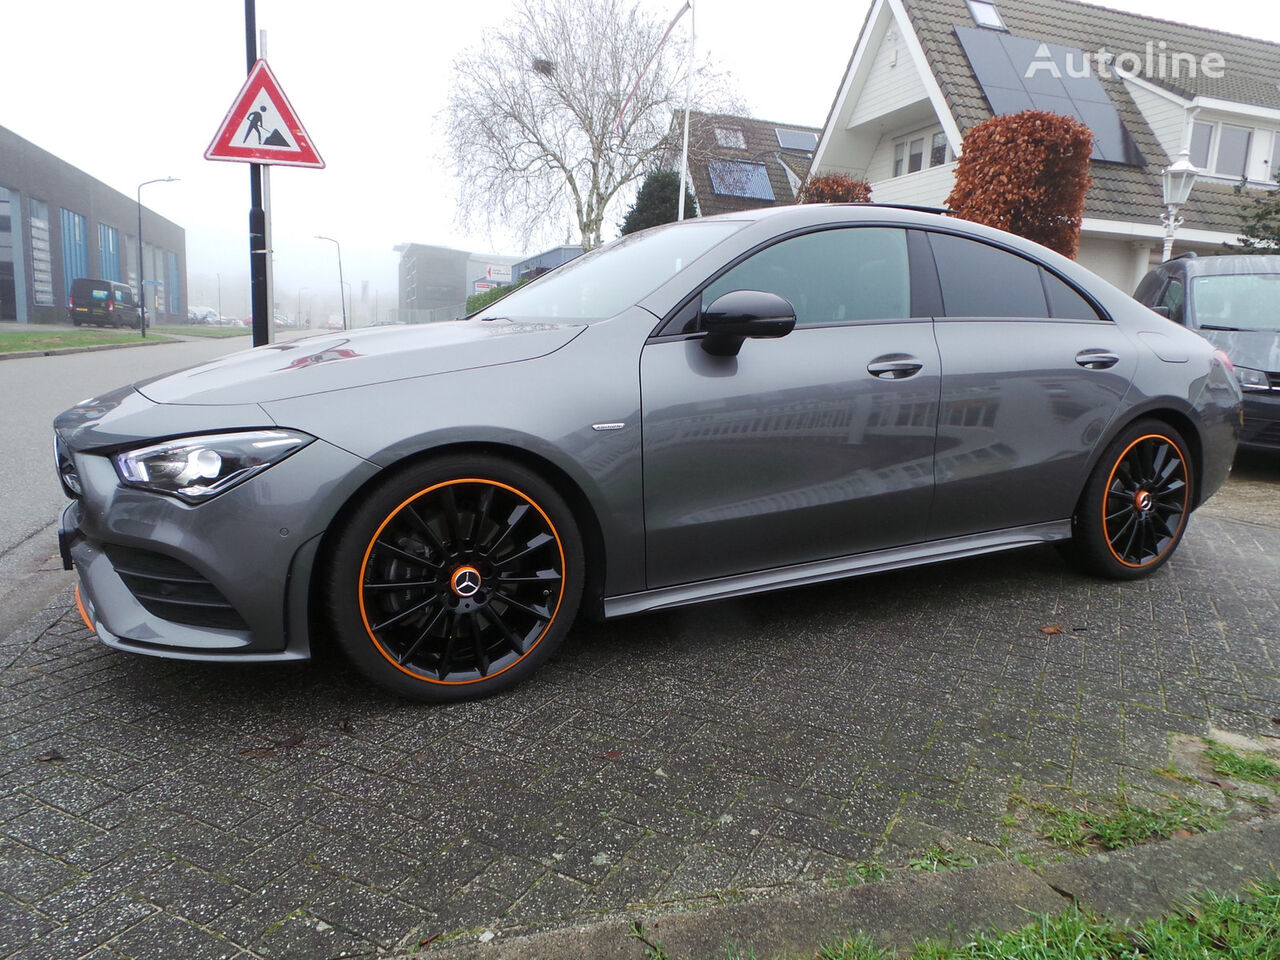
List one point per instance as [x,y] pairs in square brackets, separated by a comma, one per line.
[739,163]
[923,72]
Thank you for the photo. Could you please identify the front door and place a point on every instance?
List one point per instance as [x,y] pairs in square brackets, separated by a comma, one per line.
[815,445]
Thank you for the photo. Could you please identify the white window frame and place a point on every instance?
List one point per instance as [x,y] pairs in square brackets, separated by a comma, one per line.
[903,144]
[1261,160]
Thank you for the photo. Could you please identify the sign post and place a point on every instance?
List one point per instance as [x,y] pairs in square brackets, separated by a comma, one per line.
[261,129]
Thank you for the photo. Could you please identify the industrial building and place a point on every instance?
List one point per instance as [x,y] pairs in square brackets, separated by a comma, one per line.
[57,223]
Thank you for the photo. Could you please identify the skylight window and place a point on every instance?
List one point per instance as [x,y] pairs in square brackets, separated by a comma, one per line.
[985,14]
[797,140]
[731,138]
[740,178]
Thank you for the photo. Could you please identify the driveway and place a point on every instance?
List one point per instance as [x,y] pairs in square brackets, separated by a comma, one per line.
[734,750]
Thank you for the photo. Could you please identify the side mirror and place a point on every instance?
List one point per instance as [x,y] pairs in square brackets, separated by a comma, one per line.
[1162,310]
[739,314]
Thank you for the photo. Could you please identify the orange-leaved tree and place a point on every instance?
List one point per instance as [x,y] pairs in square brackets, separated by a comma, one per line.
[1026,173]
[834,188]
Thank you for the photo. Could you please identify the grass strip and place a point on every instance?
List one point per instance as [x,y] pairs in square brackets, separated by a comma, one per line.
[1230,928]
[20,341]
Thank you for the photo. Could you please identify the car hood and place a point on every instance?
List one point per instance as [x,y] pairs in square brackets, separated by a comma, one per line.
[1259,349]
[337,362]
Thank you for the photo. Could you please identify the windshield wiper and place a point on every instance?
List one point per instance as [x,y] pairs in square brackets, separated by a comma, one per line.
[1214,326]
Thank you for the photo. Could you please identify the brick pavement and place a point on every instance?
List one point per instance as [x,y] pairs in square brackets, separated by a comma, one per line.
[160,810]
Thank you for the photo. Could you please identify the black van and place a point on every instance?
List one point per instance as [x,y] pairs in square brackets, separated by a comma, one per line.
[104,302]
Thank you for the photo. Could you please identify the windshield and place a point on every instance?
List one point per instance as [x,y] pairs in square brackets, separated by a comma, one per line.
[1240,301]
[611,278]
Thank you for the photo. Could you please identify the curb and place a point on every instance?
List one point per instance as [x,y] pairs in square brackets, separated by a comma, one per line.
[1130,885]
[60,351]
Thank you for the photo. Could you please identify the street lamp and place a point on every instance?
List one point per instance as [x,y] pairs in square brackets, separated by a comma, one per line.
[142,282]
[1176,183]
[341,292]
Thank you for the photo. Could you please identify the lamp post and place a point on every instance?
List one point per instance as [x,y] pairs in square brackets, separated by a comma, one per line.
[1176,183]
[142,282]
[341,292]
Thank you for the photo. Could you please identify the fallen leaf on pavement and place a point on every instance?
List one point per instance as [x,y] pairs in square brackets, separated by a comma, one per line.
[293,741]
[1051,630]
[50,755]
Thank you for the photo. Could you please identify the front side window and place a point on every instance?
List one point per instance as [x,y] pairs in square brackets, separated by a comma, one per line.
[831,277]
[1174,300]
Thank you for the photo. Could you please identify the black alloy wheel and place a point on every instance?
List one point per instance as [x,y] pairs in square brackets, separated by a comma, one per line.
[456,578]
[1134,508]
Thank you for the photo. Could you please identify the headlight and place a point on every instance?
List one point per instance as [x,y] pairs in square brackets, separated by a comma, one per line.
[197,468]
[1252,379]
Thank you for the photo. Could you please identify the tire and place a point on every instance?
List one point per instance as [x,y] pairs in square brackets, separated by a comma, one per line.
[492,565]
[1135,505]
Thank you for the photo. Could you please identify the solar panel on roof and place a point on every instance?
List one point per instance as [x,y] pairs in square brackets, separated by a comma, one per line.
[1019,73]
[740,178]
[797,140]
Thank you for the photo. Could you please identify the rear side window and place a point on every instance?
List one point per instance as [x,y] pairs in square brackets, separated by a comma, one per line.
[1065,302]
[979,280]
[831,277]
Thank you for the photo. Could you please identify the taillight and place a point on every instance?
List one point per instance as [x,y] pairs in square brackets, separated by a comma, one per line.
[110,306]
[1225,360]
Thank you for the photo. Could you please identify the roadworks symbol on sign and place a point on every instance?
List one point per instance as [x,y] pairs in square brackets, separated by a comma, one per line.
[261,126]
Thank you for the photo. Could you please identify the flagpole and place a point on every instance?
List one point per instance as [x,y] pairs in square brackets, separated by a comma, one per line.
[688,87]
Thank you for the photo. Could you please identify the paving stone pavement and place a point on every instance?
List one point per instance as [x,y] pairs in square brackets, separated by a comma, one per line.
[153,809]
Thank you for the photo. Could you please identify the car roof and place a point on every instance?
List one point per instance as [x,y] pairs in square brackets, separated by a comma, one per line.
[1223,265]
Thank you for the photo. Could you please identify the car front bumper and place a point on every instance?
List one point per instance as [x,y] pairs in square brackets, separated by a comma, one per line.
[226,580]
[1261,429]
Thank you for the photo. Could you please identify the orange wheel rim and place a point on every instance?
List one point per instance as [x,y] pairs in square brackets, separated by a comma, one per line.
[461,581]
[1145,501]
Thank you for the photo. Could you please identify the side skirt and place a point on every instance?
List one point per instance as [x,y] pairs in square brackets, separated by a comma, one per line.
[818,571]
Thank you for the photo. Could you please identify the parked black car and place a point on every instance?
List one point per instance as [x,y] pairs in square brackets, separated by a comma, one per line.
[1234,303]
[103,301]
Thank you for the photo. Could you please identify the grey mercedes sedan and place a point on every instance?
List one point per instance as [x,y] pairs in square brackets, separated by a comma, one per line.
[698,411]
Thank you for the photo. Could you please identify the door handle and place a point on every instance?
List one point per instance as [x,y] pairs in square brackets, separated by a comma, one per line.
[1097,359]
[894,366]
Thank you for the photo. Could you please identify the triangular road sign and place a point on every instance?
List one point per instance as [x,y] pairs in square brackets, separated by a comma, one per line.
[261,126]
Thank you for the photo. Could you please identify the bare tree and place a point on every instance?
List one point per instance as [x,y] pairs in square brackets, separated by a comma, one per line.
[533,119]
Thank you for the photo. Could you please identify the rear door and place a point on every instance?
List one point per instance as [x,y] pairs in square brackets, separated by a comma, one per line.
[814,445]
[1032,374]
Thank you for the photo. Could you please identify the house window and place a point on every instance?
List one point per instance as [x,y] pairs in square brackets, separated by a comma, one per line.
[1201,141]
[1233,150]
[917,151]
[985,14]
[730,138]
[1273,172]
[915,155]
[938,150]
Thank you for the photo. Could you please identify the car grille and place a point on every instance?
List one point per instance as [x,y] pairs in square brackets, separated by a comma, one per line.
[171,590]
[66,465]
